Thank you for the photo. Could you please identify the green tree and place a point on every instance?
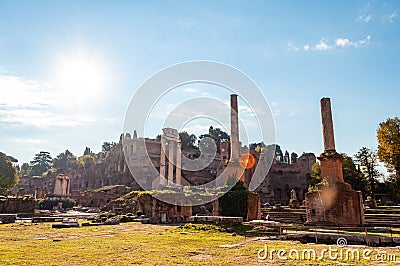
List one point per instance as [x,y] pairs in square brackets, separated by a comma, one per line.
[25,169]
[107,146]
[353,175]
[234,202]
[41,163]
[368,162]
[188,141]
[88,151]
[217,135]
[278,151]
[65,160]
[12,159]
[293,157]
[8,174]
[286,157]
[315,177]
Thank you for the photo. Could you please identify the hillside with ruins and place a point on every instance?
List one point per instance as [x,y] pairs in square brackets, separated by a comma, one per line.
[109,176]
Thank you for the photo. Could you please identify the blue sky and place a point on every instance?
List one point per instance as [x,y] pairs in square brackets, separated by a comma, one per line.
[68,69]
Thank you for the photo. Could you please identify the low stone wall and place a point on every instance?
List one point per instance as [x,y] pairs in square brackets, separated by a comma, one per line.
[8,218]
[17,205]
[162,212]
[216,219]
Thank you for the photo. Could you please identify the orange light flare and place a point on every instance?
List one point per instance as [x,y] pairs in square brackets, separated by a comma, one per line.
[247,161]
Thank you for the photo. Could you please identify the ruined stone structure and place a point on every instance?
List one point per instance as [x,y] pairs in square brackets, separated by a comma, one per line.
[333,202]
[146,204]
[17,205]
[62,185]
[282,178]
[170,142]
[166,154]
[113,170]
[99,197]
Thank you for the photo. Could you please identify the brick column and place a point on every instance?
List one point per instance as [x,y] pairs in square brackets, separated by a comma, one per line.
[327,125]
[234,129]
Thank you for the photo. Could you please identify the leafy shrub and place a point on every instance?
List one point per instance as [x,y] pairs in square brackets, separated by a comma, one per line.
[234,202]
[47,204]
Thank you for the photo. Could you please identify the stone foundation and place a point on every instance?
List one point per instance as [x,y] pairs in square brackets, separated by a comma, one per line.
[216,219]
[17,205]
[334,204]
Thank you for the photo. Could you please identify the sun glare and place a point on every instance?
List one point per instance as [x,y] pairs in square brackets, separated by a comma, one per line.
[81,78]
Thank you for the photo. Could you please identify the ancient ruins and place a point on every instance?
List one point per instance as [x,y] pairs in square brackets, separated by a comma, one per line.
[62,185]
[332,202]
[170,141]
[110,178]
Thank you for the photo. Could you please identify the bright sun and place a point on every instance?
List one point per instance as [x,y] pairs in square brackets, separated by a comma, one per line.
[81,78]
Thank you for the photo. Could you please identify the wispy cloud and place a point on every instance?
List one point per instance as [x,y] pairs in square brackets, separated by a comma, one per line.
[44,118]
[344,42]
[375,9]
[389,18]
[292,47]
[27,141]
[17,93]
[37,104]
[364,18]
[364,13]
[325,45]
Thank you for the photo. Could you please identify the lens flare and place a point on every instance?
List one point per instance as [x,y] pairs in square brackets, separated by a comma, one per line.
[247,161]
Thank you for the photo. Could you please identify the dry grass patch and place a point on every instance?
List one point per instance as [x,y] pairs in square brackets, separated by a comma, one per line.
[134,244]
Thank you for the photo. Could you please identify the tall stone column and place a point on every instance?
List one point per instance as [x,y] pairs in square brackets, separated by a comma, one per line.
[334,202]
[162,162]
[171,147]
[234,129]
[331,161]
[327,125]
[178,163]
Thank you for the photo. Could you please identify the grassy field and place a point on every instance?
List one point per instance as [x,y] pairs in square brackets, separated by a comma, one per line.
[138,244]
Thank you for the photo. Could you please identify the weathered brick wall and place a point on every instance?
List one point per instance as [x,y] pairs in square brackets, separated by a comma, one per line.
[335,205]
[17,205]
